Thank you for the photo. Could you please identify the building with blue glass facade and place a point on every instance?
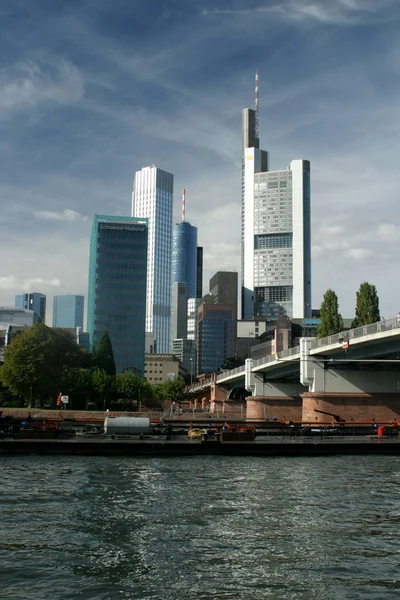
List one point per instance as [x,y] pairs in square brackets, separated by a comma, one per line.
[117,288]
[152,198]
[33,301]
[184,256]
[68,311]
[216,336]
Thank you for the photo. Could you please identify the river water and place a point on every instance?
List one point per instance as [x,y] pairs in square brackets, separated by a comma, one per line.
[208,528]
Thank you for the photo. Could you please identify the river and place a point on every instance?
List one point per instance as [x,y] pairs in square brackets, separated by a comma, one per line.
[208,528]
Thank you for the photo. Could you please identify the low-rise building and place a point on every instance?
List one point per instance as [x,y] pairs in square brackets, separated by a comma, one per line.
[159,368]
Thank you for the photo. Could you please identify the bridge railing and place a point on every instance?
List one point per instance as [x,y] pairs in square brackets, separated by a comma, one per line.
[236,371]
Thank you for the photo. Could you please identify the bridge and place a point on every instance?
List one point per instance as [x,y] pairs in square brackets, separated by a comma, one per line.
[358,367]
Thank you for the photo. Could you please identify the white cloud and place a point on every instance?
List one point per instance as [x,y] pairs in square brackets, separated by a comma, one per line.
[334,12]
[13,283]
[60,215]
[31,83]
[358,253]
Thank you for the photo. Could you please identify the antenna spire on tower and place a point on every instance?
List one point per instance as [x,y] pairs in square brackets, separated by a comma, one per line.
[183,204]
[256,106]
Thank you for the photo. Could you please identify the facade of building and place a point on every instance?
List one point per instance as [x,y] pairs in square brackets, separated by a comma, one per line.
[193,306]
[68,311]
[19,317]
[216,336]
[152,199]
[199,274]
[34,301]
[276,233]
[160,368]
[184,256]
[224,287]
[185,350]
[179,310]
[117,288]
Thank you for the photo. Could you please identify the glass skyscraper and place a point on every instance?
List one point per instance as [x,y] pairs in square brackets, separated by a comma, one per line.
[33,301]
[117,288]
[184,256]
[68,311]
[152,198]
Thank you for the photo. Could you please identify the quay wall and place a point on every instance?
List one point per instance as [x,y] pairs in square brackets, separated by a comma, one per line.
[277,408]
[374,407]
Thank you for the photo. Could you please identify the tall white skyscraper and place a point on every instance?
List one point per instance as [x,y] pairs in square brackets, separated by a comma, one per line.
[276,232]
[152,198]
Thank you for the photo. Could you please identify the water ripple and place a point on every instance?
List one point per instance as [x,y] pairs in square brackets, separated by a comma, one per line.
[215,528]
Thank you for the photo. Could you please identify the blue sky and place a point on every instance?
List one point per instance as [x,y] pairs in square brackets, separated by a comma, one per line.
[93,90]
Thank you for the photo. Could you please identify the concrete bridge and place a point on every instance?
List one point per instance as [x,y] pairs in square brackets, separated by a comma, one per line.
[350,376]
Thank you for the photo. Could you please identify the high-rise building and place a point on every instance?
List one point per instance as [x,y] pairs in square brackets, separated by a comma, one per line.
[68,311]
[184,272]
[117,288]
[199,280]
[276,232]
[152,199]
[179,310]
[224,287]
[33,301]
[216,336]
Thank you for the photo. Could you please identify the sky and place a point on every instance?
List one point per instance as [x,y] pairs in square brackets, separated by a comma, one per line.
[93,90]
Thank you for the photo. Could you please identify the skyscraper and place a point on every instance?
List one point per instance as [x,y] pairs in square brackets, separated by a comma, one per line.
[276,232]
[117,288]
[68,311]
[199,281]
[184,272]
[33,301]
[152,199]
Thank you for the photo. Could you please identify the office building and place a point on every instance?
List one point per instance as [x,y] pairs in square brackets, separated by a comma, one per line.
[117,288]
[185,350]
[32,301]
[179,310]
[276,232]
[184,272]
[152,199]
[19,317]
[68,311]
[224,287]
[199,282]
[216,336]
[160,368]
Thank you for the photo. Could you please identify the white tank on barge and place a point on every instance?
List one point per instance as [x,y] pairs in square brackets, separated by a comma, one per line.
[127,425]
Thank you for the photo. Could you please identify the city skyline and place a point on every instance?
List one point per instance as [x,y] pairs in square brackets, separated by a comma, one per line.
[97,90]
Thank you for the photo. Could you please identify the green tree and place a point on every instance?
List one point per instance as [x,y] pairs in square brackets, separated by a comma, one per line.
[78,385]
[36,361]
[103,386]
[103,355]
[132,388]
[367,306]
[331,319]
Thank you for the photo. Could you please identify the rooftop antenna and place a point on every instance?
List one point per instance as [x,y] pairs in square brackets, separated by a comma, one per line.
[183,204]
[256,104]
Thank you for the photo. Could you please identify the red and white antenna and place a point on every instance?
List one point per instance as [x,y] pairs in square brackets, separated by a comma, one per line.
[183,204]
[256,105]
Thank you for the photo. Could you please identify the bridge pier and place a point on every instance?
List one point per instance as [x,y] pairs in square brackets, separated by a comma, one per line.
[348,389]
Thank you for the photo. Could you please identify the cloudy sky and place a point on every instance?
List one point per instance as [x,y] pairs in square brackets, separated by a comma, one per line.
[93,90]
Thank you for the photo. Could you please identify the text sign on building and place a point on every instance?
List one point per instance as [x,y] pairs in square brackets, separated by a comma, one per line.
[122,227]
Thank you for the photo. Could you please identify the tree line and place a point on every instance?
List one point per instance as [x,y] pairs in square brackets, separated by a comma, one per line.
[41,363]
[367,310]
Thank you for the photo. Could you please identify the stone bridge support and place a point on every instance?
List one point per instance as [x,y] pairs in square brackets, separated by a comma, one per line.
[271,400]
[346,390]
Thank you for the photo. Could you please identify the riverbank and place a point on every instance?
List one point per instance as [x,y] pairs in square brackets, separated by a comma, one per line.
[183,446]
